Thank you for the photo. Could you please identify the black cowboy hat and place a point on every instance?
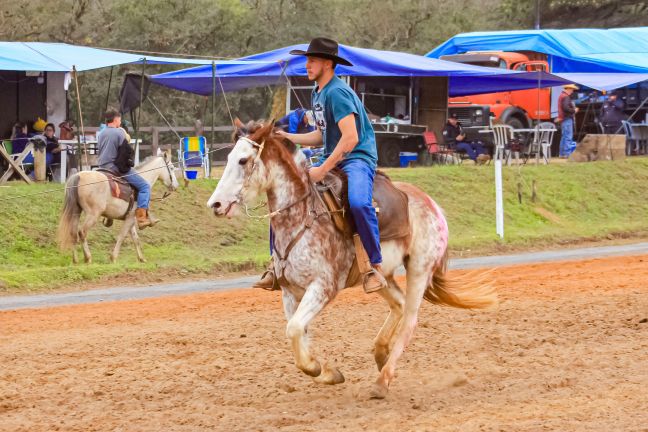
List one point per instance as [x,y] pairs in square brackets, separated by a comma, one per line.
[323,48]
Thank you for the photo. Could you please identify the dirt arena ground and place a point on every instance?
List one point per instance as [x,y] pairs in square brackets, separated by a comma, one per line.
[566,351]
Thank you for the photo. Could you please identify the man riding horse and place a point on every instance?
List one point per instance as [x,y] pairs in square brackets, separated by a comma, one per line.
[111,144]
[344,129]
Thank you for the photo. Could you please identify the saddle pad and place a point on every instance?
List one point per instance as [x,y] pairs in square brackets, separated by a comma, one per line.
[119,188]
[390,202]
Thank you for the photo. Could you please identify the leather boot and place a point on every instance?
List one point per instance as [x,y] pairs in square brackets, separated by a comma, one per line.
[374,280]
[141,216]
[268,280]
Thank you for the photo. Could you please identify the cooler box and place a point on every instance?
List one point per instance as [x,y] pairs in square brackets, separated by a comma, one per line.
[407,157]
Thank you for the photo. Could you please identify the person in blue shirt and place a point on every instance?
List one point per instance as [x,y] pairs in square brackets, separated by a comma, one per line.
[295,122]
[345,132]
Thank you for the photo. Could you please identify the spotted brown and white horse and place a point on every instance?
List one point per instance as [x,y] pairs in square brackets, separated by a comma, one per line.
[315,258]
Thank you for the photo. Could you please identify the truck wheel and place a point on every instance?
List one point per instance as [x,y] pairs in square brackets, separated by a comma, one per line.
[515,123]
[388,154]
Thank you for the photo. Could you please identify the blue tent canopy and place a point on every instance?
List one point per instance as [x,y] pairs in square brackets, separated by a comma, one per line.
[279,64]
[602,59]
[60,57]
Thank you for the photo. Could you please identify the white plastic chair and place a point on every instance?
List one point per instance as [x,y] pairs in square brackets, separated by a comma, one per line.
[542,139]
[631,140]
[502,136]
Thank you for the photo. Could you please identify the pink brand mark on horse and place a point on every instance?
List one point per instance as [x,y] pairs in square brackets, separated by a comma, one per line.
[318,262]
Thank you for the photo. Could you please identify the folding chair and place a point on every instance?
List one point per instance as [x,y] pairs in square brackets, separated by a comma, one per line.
[193,154]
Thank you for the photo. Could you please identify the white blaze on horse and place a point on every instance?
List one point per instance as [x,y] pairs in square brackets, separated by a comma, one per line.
[316,257]
[90,192]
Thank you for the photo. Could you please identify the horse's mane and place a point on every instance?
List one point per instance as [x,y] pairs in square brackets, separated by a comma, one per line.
[145,161]
[275,148]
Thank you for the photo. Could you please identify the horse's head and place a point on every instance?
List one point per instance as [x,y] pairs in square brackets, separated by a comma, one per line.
[167,171]
[245,173]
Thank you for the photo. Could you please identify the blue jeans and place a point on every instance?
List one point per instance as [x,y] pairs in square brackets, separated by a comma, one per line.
[142,186]
[471,149]
[567,130]
[360,180]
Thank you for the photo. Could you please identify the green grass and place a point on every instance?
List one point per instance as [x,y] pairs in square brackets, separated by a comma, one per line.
[575,202]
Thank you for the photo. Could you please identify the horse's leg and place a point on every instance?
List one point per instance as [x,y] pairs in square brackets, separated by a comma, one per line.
[123,232]
[289,303]
[417,280]
[310,305]
[136,241]
[396,300]
[88,223]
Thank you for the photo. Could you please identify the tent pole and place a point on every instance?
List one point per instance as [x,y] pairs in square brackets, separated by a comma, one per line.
[107,93]
[139,113]
[80,118]
[213,109]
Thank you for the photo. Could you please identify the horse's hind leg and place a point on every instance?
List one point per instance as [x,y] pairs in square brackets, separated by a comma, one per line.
[396,300]
[310,305]
[416,285]
[123,232]
[136,241]
[88,223]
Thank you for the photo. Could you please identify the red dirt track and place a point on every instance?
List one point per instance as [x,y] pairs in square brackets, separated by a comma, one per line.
[566,351]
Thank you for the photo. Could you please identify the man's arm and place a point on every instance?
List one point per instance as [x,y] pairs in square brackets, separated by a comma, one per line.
[347,143]
[310,139]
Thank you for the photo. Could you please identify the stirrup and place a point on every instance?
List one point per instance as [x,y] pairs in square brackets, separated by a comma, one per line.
[379,282]
[268,281]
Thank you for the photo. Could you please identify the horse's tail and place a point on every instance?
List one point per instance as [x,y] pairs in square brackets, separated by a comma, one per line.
[68,229]
[468,291]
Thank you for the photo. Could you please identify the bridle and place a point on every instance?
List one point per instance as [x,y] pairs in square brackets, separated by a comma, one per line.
[246,184]
[169,190]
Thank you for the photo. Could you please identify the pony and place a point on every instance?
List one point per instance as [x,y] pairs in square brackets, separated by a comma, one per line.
[89,192]
[315,258]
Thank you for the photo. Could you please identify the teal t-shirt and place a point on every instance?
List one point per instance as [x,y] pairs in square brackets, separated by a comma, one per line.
[336,101]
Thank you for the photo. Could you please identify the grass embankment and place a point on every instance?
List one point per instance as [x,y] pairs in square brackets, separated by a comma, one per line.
[574,203]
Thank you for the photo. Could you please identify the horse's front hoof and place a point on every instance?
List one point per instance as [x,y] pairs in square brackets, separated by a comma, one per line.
[142,260]
[378,391]
[330,376]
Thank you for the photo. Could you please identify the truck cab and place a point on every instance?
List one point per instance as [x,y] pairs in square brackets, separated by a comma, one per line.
[516,108]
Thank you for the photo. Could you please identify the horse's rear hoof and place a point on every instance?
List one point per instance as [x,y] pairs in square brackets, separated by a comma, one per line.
[329,376]
[378,391]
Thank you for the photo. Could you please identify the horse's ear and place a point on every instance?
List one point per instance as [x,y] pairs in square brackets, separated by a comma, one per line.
[266,129]
[238,124]
[159,151]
